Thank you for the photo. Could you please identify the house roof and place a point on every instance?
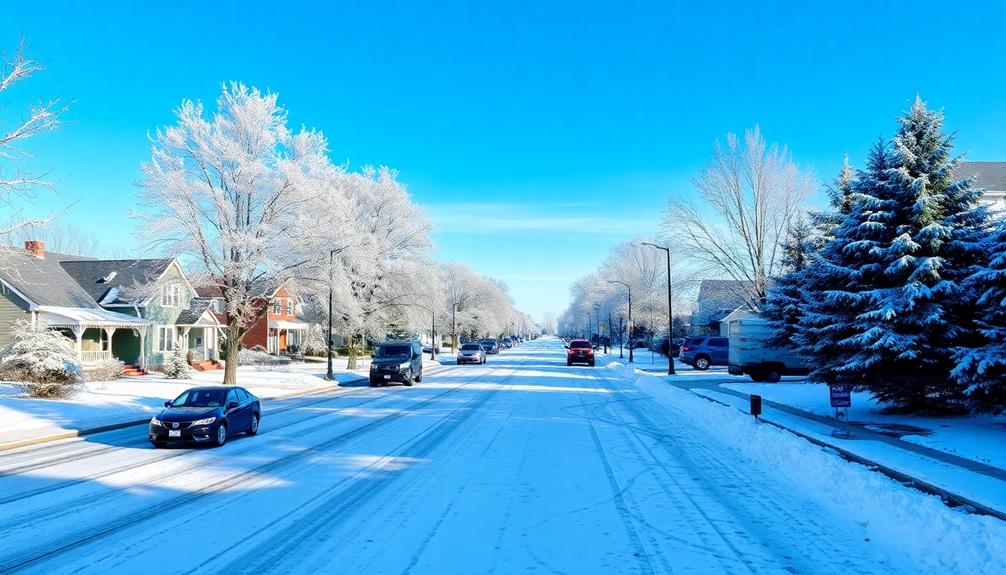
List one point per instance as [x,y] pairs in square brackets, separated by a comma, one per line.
[56,316]
[209,291]
[723,290]
[988,175]
[104,280]
[42,280]
[197,307]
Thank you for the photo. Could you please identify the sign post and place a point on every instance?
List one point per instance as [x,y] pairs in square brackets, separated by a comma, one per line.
[841,400]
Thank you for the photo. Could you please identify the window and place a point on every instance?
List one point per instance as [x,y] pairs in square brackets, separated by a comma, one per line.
[166,338]
[277,306]
[718,342]
[171,295]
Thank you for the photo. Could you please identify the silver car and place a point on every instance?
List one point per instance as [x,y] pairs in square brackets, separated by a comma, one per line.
[471,353]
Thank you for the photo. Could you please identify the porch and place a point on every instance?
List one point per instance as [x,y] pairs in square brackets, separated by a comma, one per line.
[285,336]
[99,335]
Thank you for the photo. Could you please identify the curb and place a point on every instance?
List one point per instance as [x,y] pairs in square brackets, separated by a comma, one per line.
[70,434]
[949,498]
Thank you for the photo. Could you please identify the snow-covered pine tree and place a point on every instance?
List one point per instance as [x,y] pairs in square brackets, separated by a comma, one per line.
[40,360]
[176,365]
[910,310]
[785,297]
[838,283]
[981,365]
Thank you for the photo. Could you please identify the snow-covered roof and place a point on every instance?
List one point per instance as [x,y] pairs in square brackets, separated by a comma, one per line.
[988,175]
[288,325]
[56,316]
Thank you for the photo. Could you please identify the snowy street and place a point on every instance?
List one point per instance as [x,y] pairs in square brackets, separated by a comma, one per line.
[521,465]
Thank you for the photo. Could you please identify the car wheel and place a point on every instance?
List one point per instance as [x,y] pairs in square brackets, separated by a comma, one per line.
[569,363]
[702,363]
[772,375]
[459,362]
[253,428]
[591,364]
[373,383]
[221,435]
[419,378]
[159,444]
[407,380]
[757,377]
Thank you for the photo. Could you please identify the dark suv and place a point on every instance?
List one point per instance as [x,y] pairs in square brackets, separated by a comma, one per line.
[397,360]
[701,352]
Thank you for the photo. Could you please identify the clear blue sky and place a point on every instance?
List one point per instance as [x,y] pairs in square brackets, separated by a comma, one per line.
[536,136]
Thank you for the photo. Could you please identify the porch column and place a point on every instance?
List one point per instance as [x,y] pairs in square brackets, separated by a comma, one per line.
[110,331]
[143,347]
[78,333]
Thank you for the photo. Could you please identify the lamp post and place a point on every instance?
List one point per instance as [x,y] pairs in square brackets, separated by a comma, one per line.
[620,320]
[628,288]
[329,376]
[597,321]
[670,313]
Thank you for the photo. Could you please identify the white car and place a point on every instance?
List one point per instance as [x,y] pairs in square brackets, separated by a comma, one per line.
[471,353]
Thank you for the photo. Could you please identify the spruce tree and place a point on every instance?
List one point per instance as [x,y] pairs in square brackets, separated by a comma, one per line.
[785,297]
[981,363]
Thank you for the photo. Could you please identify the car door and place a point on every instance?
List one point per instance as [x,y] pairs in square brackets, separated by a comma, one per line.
[236,418]
[417,359]
[719,350]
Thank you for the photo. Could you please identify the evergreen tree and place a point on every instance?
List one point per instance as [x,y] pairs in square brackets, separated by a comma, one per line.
[893,306]
[785,297]
[176,365]
[982,364]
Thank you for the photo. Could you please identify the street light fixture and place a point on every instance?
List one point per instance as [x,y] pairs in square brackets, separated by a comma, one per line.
[630,326]
[329,376]
[670,313]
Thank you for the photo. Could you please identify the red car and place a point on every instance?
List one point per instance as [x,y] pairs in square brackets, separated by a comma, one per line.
[579,351]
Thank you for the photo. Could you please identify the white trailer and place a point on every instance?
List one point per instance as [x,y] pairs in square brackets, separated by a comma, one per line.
[751,355]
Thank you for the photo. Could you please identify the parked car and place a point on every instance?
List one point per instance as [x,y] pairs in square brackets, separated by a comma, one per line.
[471,353]
[206,415]
[491,346]
[660,345]
[507,342]
[750,354]
[579,351]
[702,352]
[429,349]
[397,360]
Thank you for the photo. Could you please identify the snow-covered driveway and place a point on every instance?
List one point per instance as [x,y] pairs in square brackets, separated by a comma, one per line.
[522,465]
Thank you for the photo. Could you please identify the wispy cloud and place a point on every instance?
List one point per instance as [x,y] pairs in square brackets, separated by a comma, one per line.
[494,218]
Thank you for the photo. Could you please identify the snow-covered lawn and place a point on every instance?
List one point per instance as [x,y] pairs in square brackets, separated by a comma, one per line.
[978,438]
[109,402]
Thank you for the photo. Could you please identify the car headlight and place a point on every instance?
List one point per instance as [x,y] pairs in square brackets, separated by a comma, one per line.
[405,366]
[155,421]
[206,421]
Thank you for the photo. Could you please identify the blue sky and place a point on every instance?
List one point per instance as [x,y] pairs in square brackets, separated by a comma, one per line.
[536,135]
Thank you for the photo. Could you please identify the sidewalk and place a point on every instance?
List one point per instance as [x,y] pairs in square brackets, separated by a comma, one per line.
[979,482]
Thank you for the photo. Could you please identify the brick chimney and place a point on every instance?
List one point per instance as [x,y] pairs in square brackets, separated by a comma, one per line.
[35,248]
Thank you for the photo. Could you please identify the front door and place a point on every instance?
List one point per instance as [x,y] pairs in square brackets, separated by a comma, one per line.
[282,341]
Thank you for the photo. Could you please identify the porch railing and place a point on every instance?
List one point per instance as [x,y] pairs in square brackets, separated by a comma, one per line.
[94,356]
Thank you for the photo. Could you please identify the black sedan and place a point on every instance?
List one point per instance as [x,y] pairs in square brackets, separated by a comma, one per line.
[206,415]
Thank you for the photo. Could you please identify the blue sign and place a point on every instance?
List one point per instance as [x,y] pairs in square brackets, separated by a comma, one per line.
[841,395]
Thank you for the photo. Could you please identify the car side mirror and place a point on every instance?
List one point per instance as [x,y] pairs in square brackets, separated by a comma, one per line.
[232,405]
[167,404]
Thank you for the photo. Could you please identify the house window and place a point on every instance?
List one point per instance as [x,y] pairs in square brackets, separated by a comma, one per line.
[166,338]
[171,295]
[277,306]
[288,306]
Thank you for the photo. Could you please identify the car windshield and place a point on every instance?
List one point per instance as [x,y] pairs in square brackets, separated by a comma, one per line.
[201,398]
[392,350]
[470,347]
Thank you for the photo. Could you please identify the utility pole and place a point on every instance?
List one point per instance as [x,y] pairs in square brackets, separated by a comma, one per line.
[329,376]
[670,313]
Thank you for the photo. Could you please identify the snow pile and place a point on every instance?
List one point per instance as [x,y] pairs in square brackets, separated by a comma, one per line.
[940,539]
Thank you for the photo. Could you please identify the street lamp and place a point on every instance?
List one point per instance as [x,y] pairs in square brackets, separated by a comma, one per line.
[629,289]
[597,321]
[670,313]
[329,376]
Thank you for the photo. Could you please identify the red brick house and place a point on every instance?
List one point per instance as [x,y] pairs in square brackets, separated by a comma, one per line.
[277,331]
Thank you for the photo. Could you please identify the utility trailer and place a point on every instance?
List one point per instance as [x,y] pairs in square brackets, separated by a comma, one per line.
[750,354]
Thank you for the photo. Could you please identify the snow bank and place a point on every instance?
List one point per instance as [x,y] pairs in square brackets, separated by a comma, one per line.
[938,538]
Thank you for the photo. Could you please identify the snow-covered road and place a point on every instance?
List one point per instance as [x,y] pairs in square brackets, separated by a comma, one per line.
[522,465]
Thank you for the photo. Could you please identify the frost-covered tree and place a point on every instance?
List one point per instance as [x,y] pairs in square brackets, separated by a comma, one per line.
[40,360]
[754,190]
[785,301]
[17,183]
[892,307]
[176,364]
[314,341]
[981,363]
[226,191]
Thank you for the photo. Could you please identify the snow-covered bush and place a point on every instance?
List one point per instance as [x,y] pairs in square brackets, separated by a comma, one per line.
[255,357]
[176,365]
[314,342]
[103,371]
[40,361]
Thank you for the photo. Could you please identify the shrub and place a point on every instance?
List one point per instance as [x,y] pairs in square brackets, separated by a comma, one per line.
[40,361]
[176,365]
[314,342]
[256,357]
[103,371]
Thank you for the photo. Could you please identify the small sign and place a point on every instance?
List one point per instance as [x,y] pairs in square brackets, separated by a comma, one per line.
[841,395]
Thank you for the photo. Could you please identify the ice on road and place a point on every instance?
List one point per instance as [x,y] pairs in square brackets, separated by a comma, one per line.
[521,465]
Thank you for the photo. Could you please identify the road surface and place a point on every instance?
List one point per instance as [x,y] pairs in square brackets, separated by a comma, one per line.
[523,465]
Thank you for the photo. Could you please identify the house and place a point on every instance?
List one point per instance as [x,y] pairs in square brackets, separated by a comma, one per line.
[716,300]
[992,177]
[134,310]
[278,328]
